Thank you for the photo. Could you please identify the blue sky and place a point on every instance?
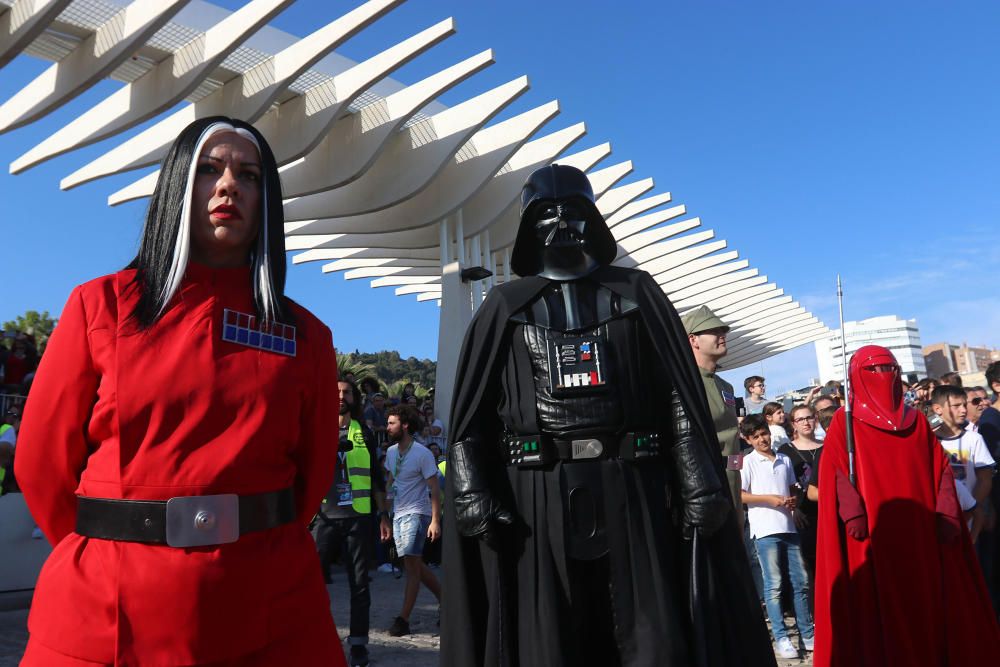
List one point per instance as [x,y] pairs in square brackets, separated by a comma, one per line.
[817,138]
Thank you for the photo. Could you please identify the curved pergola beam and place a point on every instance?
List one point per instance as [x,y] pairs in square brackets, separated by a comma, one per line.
[326,254]
[639,207]
[706,283]
[23,22]
[635,225]
[92,60]
[603,179]
[765,327]
[386,262]
[682,256]
[766,315]
[762,351]
[718,295]
[613,200]
[430,288]
[750,297]
[422,152]
[680,274]
[380,271]
[394,281]
[705,269]
[247,96]
[160,88]
[654,238]
[457,184]
[738,314]
[773,331]
[356,140]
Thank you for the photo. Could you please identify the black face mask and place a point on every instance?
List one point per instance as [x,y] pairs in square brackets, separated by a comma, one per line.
[561,229]
[562,234]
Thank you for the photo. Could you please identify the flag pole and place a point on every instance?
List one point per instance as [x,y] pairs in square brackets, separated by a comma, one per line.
[848,422]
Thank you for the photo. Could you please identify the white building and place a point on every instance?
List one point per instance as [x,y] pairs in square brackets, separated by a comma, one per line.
[900,336]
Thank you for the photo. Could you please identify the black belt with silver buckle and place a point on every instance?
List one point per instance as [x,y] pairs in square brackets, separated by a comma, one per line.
[533,451]
[185,521]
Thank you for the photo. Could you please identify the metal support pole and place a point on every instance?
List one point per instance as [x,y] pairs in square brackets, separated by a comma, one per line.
[477,285]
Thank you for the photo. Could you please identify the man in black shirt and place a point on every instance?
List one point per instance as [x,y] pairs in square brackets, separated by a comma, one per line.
[344,519]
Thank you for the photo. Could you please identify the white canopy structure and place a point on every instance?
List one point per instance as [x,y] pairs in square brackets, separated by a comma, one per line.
[384,183]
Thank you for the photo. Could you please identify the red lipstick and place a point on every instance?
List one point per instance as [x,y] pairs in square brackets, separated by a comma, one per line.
[226,212]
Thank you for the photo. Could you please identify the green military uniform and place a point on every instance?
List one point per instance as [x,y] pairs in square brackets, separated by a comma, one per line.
[722,403]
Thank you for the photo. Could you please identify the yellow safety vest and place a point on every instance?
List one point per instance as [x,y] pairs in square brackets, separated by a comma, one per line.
[359,471]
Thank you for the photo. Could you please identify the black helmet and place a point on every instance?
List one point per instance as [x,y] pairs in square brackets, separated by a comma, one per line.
[555,184]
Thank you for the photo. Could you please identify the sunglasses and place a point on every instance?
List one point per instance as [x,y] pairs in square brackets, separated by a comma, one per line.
[979,399]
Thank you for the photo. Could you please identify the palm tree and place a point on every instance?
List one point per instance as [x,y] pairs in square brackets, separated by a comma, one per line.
[346,363]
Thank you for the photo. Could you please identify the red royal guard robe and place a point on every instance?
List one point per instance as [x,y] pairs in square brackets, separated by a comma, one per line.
[176,411]
[899,598]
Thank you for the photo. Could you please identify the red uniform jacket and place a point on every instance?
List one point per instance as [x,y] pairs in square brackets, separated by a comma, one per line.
[116,412]
[901,597]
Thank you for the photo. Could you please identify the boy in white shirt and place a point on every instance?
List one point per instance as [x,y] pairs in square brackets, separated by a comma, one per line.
[970,458]
[767,481]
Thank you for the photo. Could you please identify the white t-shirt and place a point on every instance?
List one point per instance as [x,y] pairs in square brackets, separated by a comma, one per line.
[762,476]
[967,453]
[410,473]
[778,436]
[965,500]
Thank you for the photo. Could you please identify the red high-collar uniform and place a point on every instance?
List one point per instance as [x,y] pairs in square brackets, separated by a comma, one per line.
[174,410]
[901,597]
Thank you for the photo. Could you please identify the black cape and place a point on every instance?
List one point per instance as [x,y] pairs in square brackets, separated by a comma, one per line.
[714,605]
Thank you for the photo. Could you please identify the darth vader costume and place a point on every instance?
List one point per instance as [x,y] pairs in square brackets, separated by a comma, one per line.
[586,518]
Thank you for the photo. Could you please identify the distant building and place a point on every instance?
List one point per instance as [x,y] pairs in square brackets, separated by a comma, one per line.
[941,358]
[900,336]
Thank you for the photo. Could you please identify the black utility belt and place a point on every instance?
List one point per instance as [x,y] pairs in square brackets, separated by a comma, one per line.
[185,521]
[534,451]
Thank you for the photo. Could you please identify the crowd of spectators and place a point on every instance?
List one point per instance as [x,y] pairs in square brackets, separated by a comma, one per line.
[376,402]
[18,361]
[966,421]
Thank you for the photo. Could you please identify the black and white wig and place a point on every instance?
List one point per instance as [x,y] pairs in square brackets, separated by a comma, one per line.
[166,237]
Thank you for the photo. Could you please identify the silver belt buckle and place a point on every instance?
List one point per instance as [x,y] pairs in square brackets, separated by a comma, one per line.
[198,521]
[588,448]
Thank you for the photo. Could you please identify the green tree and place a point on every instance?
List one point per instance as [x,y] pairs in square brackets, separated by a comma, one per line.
[349,363]
[33,323]
[389,368]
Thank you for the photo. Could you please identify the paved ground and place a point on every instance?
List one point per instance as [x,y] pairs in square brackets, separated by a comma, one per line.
[417,650]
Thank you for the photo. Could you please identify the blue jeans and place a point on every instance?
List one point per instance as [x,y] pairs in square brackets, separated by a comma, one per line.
[409,532]
[771,551]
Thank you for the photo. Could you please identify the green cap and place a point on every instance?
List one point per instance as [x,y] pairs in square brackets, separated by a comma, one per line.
[702,319]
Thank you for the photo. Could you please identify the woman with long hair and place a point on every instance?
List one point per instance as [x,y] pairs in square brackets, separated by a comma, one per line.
[804,451]
[177,439]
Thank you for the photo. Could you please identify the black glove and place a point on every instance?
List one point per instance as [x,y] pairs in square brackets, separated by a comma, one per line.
[706,504]
[346,444]
[478,512]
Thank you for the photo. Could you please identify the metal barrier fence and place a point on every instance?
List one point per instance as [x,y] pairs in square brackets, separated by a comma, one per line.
[7,400]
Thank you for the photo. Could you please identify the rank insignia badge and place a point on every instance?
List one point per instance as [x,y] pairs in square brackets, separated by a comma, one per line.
[575,364]
[243,329]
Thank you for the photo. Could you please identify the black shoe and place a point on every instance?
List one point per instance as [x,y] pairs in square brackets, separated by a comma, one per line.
[399,627]
[359,656]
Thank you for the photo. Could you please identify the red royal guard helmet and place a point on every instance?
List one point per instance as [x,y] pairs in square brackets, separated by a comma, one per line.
[877,390]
